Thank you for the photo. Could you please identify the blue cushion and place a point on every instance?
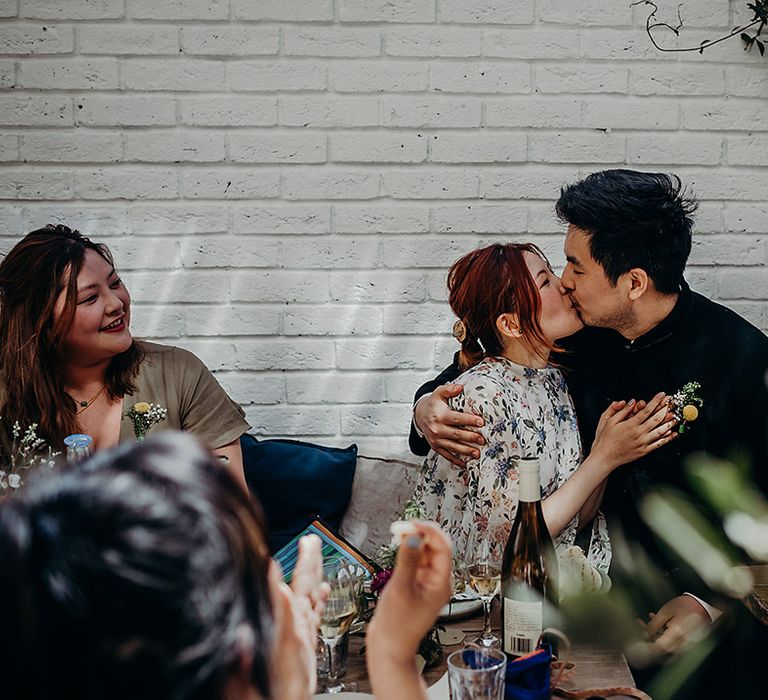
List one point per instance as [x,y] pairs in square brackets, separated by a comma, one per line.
[297,481]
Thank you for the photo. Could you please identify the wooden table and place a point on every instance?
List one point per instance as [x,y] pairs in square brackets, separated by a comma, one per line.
[595,667]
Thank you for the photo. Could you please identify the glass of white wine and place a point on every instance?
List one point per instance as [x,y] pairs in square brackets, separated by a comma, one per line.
[483,565]
[339,612]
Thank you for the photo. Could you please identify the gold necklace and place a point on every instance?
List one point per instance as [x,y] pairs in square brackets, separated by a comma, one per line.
[86,404]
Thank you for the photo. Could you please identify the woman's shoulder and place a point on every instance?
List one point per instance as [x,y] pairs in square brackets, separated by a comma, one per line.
[169,363]
[161,353]
[485,382]
[490,371]
[151,349]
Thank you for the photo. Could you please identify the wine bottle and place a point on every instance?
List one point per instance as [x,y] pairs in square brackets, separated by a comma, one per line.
[528,569]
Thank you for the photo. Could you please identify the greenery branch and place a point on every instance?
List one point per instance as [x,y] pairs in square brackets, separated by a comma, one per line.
[27,452]
[759,19]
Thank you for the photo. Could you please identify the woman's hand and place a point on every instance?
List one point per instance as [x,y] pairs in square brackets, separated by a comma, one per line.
[419,586]
[297,611]
[625,433]
[446,430]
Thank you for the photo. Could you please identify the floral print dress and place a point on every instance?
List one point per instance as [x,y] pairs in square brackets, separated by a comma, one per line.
[528,413]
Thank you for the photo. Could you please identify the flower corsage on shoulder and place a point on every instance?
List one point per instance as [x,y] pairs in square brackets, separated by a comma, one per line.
[685,404]
[144,415]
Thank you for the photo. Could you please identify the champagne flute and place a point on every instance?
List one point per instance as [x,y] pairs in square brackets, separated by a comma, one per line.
[459,576]
[339,612]
[483,562]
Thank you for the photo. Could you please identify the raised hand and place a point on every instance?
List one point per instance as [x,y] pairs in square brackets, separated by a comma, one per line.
[418,588]
[297,611]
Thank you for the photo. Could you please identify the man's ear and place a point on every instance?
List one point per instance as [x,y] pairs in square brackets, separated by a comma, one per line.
[508,325]
[636,283]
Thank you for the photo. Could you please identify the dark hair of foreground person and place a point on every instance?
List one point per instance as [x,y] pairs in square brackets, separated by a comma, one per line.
[139,574]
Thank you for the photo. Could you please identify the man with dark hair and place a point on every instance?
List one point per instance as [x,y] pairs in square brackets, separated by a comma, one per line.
[628,240]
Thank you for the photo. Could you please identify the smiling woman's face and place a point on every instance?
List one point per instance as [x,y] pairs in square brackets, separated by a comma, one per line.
[100,328]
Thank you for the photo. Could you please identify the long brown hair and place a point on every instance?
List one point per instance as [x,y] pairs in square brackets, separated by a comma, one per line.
[32,275]
[487,283]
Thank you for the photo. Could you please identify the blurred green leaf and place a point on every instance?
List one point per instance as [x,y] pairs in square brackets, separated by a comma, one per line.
[725,486]
[702,546]
[599,618]
[669,681]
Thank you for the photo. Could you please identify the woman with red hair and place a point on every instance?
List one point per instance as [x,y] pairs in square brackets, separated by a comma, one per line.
[512,310]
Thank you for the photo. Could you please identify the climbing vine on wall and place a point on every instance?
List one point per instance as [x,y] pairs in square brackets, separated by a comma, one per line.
[749,32]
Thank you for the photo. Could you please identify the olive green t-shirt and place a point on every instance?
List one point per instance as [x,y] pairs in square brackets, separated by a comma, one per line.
[178,381]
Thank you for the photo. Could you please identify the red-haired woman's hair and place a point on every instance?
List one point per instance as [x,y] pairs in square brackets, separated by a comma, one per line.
[487,283]
[32,275]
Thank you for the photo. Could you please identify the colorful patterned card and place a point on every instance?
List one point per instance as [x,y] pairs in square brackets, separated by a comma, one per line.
[335,547]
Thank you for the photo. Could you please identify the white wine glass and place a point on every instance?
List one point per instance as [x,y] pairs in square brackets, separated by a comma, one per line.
[339,612]
[483,564]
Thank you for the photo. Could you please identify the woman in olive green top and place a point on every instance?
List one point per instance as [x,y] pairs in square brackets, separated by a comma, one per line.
[69,364]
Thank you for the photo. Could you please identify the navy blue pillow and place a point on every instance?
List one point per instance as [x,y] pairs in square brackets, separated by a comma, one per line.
[296,481]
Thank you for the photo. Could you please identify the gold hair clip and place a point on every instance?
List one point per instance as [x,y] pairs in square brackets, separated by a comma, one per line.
[459,331]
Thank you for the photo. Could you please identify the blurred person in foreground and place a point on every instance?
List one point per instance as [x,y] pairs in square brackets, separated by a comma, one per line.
[143,573]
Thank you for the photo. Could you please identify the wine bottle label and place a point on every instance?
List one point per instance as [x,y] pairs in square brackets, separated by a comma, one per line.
[522,626]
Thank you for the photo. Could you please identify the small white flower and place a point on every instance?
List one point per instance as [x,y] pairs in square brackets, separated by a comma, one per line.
[14,481]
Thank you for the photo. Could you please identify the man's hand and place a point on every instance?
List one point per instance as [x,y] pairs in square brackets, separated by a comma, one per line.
[448,432]
[680,622]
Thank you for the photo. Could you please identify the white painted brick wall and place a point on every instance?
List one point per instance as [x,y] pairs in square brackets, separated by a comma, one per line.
[285,182]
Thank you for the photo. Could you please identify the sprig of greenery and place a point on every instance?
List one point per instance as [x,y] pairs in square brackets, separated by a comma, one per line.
[760,10]
[758,22]
[27,451]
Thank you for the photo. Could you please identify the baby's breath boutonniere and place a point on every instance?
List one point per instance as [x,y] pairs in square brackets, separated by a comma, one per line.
[144,415]
[685,404]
